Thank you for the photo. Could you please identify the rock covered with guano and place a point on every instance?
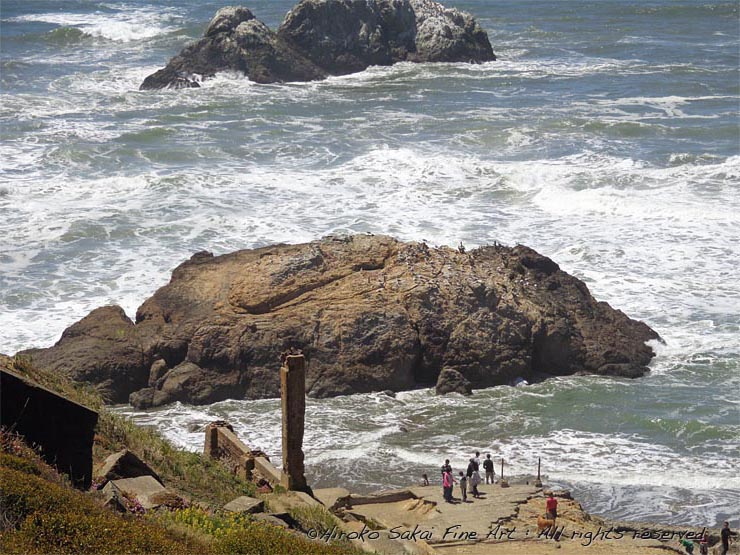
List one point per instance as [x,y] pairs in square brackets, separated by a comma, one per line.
[370,313]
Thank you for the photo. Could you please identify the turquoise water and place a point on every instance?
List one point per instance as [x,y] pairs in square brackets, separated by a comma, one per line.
[605,136]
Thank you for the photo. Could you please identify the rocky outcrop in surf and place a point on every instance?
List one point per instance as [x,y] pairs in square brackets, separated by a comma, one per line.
[371,313]
[319,38]
[104,349]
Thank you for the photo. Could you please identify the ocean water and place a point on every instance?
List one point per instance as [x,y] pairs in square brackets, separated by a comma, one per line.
[606,136]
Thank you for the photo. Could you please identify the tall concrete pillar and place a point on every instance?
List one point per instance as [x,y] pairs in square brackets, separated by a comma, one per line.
[293,396]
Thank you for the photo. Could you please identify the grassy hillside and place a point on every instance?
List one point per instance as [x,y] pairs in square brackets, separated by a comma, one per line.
[189,474]
[41,513]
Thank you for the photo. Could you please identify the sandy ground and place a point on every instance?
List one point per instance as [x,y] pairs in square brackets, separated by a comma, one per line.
[504,521]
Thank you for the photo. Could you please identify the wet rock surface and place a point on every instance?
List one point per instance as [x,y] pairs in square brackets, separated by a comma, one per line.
[319,38]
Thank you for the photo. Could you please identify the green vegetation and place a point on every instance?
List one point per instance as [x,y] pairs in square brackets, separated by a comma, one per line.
[234,534]
[13,462]
[189,474]
[316,518]
[77,533]
[202,522]
[16,455]
[41,513]
[83,394]
[265,539]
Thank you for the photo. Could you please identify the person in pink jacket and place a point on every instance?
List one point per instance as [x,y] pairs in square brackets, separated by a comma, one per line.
[447,481]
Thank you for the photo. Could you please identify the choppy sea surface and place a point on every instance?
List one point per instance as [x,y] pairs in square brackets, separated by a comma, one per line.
[606,137]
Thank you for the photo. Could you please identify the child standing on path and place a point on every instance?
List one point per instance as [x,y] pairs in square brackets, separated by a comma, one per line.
[463,486]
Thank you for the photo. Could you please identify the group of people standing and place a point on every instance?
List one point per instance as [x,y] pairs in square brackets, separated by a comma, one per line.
[468,480]
[725,536]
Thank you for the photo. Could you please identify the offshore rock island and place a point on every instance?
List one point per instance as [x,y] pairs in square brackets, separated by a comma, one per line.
[319,38]
[371,313]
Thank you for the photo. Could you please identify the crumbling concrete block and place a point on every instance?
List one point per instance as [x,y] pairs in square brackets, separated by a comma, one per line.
[124,464]
[143,488]
[245,504]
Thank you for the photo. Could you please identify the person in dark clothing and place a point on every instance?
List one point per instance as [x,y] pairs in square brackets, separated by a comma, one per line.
[446,466]
[463,486]
[725,537]
[488,467]
[473,478]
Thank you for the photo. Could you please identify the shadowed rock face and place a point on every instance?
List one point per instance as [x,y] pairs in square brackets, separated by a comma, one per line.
[103,348]
[319,38]
[452,381]
[370,313]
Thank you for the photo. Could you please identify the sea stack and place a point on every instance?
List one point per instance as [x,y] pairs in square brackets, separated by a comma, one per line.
[370,313]
[319,38]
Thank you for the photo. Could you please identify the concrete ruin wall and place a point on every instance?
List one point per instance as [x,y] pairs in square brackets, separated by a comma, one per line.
[63,429]
[223,445]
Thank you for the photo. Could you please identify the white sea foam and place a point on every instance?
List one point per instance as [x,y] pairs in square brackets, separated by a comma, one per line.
[597,458]
[616,168]
[129,24]
[363,431]
[411,198]
[573,66]
[520,137]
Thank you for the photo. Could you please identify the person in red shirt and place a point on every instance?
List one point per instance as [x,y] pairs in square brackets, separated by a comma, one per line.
[551,506]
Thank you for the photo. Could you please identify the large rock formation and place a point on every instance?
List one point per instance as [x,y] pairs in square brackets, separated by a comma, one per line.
[369,312]
[103,348]
[326,37]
